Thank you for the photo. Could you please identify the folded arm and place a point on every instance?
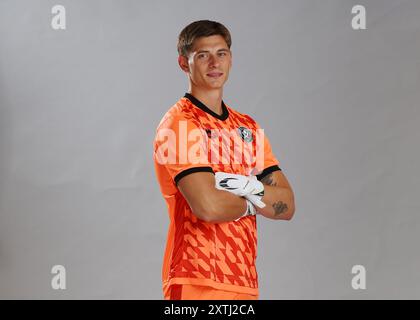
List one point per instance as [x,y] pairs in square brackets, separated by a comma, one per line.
[207,202]
[278,197]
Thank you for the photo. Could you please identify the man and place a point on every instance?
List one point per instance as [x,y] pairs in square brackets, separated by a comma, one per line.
[212,199]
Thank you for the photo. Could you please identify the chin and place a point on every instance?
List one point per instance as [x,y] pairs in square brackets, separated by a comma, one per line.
[216,85]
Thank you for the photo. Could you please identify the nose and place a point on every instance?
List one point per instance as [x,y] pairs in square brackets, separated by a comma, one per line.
[213,60]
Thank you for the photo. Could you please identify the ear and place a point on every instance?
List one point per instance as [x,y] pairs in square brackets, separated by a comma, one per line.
[183,63]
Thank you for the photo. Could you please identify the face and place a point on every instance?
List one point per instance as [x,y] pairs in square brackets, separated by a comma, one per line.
[208,63]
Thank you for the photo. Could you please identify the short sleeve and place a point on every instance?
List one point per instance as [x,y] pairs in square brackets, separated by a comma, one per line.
[180,148]
[269,162]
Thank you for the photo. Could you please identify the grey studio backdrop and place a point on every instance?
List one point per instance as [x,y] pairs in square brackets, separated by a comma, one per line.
[79,109]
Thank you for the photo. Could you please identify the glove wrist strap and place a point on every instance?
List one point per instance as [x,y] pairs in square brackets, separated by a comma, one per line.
[250,210]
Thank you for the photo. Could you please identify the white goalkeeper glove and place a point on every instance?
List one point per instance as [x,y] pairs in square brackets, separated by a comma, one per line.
[250,210]
[243,186]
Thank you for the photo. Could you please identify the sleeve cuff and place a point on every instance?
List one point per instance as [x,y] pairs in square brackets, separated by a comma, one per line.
[267,171]
[184,173]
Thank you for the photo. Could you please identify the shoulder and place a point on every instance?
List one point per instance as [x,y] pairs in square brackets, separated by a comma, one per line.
[243,117]
[180,111]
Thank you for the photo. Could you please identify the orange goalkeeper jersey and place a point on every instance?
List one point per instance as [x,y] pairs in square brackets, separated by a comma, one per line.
[191,138]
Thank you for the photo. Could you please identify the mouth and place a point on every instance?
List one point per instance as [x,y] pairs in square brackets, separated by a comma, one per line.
[215,74]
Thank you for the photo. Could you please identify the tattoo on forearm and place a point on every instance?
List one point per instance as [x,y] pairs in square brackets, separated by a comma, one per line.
[268,180]
[279,207]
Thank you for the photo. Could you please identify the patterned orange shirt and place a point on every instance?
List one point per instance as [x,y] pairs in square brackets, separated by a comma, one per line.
[188,139]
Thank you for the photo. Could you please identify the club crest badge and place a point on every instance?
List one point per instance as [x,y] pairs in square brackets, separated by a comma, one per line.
[245,134]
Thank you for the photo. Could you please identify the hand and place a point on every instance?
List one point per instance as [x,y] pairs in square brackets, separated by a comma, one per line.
[250,210]
[243,186]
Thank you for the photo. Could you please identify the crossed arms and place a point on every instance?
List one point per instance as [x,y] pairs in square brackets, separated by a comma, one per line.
[213,205]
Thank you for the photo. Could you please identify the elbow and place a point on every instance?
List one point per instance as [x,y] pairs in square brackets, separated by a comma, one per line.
[291,211]
[207,212]
[289,215]
[211,215]
[203,215]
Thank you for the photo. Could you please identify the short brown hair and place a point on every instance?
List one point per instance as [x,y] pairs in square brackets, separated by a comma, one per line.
[201,28]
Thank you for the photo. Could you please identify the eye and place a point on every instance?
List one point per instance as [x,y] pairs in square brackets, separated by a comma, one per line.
[202,55]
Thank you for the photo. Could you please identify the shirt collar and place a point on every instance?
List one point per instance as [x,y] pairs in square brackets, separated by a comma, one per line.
[202,106]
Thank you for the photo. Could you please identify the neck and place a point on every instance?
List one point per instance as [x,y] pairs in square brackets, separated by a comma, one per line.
[211,98]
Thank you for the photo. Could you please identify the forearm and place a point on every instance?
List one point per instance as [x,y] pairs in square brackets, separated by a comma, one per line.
[279,203]
[226,206]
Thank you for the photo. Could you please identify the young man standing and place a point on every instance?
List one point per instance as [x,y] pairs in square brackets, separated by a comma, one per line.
[216,171]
